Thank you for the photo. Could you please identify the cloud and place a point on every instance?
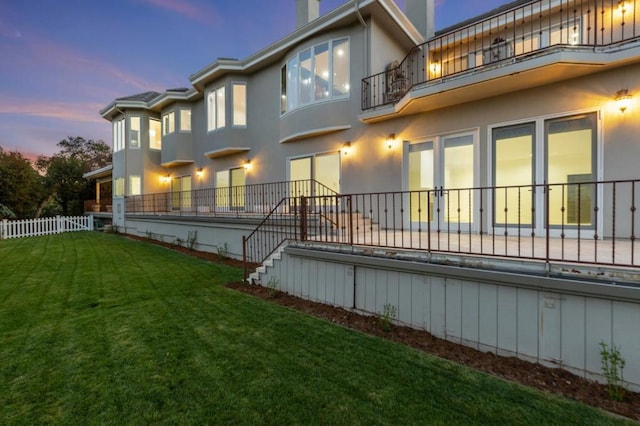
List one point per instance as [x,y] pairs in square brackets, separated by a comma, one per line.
[59,55]
[200,13]
[69,111]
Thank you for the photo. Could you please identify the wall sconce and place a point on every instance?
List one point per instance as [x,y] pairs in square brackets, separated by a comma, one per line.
[391,141]
[247,165]
[622,6]
[346,148]
[435,68]
[166,178]
[623,100]
[199,172]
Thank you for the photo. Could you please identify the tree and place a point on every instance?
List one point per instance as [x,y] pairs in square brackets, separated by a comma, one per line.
[92,154]
[63,172]
[21,187]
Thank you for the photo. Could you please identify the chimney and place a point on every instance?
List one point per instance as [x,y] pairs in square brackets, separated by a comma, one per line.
[306,11]
[421,14]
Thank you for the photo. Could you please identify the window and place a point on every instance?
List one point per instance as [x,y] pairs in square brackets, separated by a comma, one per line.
[168,123]
[119,187]
[134,132]
[118,135]
[155,140]
[215,109]
[316,74]
[135,185]
[185,120]
[239,104]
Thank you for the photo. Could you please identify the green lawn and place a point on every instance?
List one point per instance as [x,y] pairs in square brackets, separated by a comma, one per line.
[96,328]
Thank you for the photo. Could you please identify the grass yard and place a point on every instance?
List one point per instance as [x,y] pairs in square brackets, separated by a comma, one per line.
[96,328]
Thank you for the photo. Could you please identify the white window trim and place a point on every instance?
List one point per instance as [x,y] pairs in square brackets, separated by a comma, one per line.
[165,132]
[314,102]
[215,126]
[180,130]
[233,105]
[160,122]
[139,132]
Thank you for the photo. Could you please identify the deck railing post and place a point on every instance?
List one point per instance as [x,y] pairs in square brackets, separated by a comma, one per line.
[547,189]
[244,258]
[303,218]
[350,220]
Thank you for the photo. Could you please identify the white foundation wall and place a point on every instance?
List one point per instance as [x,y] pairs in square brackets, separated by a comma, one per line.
[556,322]
[211,235]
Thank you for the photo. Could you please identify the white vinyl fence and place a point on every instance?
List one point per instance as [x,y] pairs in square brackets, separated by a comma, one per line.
[44,226]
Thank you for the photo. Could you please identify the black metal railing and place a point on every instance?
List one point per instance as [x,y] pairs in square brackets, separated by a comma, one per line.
[586,222]
[258,199]
[523,30]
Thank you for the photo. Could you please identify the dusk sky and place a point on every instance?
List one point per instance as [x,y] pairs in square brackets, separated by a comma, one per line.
[64,60]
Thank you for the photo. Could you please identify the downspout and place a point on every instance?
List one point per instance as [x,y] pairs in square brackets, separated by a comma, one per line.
[126,174]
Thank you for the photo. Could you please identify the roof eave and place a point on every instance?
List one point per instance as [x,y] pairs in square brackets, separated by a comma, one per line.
[276,49]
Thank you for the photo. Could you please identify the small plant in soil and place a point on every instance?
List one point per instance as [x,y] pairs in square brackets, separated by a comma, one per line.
[272,285]
[223,250]
[191,239]
[612,367]
[388,315]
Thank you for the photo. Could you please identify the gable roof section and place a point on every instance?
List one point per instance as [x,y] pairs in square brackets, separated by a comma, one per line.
[349,12]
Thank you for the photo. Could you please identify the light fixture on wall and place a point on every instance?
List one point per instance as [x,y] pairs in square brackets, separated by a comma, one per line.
[247,165]
[435,68]
[346,148]
[165,178]
[623,100]
[390,142]
[199,172]
[622,6]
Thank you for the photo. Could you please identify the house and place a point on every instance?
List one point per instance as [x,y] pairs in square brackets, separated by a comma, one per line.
[482,179]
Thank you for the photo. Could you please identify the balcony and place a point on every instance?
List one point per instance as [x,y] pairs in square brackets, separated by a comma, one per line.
[529,37]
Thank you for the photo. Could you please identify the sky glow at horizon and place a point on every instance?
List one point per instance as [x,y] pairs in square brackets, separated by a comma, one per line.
[63,61]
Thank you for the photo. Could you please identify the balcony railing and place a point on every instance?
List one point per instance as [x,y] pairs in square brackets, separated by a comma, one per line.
[96,206]
[235,201]
[523,30]
[592,222]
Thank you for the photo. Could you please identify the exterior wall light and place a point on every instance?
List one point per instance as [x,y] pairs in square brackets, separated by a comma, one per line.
[391,141]
[622,6]
[623,100]
[247,165]
[166,178]
[346,148]
[200,172]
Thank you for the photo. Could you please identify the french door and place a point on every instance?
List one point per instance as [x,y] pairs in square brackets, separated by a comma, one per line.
[543,172]
[181,193]
[230,189]
[441,181]
[323,168]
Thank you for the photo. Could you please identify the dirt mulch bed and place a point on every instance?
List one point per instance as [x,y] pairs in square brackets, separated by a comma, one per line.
[553,380]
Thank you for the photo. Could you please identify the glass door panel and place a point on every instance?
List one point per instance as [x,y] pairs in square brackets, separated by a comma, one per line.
[327,172]
[421,182]
[513,175]
[186,192]
[237,188]
[458,179]
[222,189]
[570,150]
[175,193]
[300,170]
